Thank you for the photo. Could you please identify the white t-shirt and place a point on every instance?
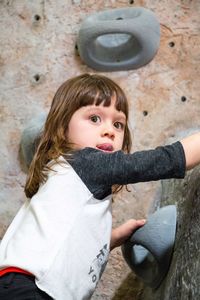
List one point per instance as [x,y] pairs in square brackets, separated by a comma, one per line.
[62,235]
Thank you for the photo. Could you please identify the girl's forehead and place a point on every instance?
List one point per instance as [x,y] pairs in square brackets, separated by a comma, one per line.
[108,101]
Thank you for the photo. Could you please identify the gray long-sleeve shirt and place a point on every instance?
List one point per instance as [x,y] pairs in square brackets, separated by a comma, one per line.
[100,170]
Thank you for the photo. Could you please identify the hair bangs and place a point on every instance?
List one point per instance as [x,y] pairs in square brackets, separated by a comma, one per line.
[121,103]
[102,91]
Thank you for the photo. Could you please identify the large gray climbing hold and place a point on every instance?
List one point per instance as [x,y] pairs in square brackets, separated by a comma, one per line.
[119,39]
[30,137]
[149,251]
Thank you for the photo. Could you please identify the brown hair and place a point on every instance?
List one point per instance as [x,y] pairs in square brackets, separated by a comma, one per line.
[73,94]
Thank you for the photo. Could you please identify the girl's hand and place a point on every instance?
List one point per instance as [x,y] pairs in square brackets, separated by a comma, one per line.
[123,232]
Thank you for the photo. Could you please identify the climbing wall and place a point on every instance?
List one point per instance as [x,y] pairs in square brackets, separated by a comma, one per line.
[37,53]
[183,276]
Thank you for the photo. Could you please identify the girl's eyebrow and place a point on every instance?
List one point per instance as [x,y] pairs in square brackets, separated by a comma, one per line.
[96,109]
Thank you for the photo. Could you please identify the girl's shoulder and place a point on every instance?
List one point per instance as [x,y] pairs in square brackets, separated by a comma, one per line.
[58,166]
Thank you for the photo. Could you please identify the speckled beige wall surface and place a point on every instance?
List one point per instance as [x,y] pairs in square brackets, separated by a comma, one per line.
[37,53]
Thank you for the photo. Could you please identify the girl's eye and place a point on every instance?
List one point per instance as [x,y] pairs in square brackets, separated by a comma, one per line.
[95,119]
[119,125]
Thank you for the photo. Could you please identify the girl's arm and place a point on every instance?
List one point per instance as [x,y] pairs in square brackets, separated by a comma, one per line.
[191,146]
[98,169]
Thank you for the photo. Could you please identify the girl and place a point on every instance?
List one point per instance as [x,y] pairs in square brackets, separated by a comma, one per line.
[58,244]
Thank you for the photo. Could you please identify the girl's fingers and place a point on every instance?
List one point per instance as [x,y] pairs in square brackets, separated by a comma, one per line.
[122,233]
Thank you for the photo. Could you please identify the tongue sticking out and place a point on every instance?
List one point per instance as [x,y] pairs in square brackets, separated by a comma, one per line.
[105,147]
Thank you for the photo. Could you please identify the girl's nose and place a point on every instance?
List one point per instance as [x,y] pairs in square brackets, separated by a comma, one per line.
[108,131]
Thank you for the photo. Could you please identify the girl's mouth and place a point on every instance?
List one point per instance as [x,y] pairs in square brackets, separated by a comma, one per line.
[105,147]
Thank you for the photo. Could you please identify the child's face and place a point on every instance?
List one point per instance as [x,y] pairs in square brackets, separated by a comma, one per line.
[100,127]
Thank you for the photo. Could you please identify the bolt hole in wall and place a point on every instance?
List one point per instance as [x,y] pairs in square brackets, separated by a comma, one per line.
[76,50]
[145,113]
[183,99]
[171,44]
[131,1]
[36,77]
[37,18]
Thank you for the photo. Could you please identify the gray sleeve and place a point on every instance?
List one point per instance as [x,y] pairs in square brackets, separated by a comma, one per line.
[99,168]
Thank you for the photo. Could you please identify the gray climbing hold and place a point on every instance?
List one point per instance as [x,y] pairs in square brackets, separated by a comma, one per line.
[149,250]
[30,137]
[119,39]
